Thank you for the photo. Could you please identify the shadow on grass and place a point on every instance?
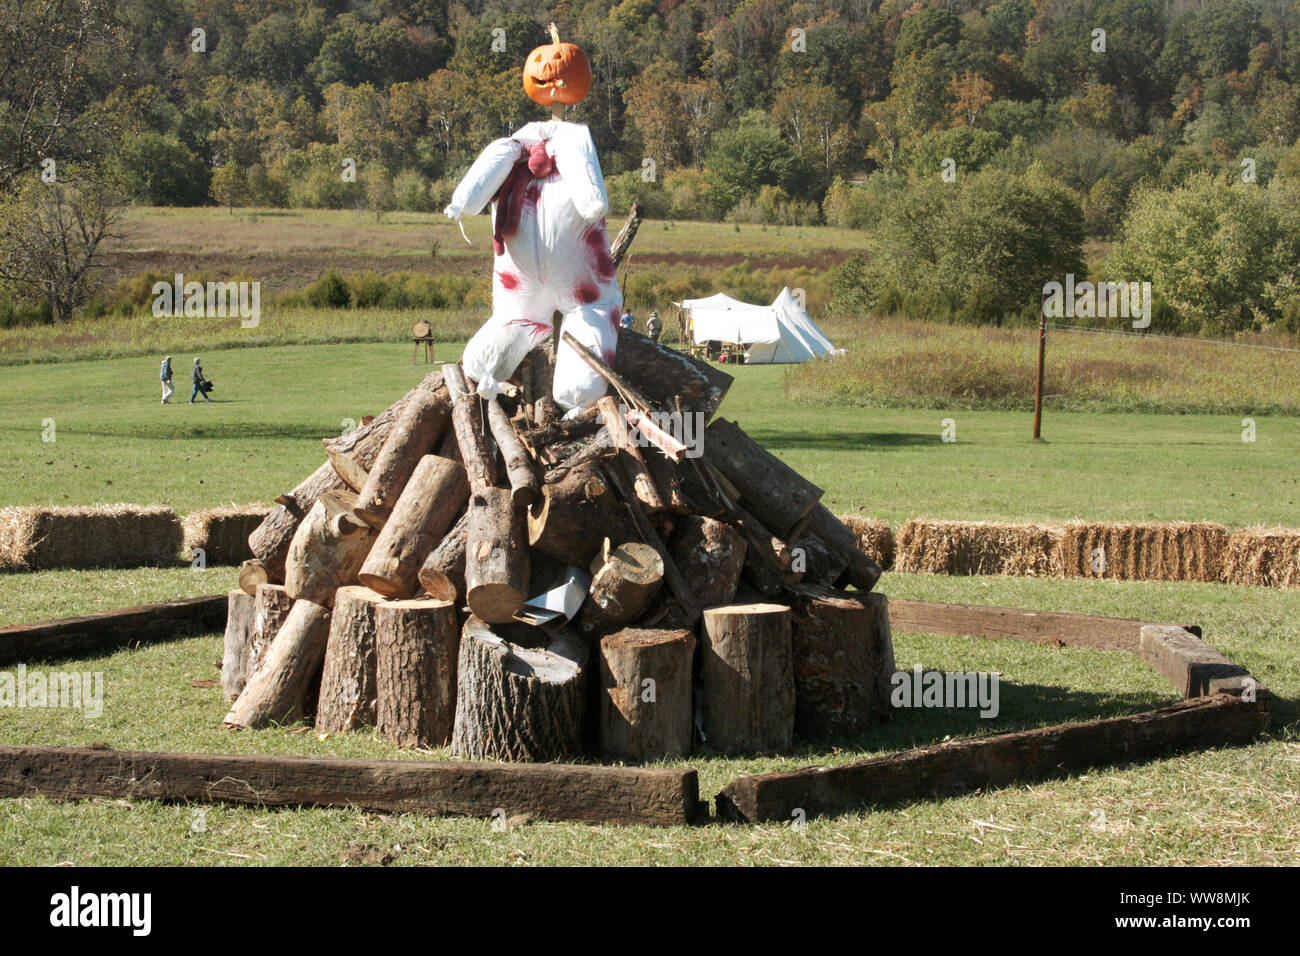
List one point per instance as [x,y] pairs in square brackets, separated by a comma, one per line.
[188,430]
[841,440]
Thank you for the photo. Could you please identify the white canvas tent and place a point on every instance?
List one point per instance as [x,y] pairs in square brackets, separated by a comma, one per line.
[778,333]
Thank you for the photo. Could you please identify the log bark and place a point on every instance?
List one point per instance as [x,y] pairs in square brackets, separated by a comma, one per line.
[645,702]
[524,484]
[667,376]
[777,495]
[862,571]
[252,573]
[520,693]
[630,457]
[748,678]
[429,504]
[843,661]
[240,615]
[324,556]
[416,644]
[496,556]
[645,796]
[347,468]
[667,478]
[415,434]
[710,556]
[270,542]
[646,532]
[443,572]
[624,580]
[623,241]
[768,560]
[575,514]
[599,448]
[277,692]
[271,608]
[821,565]
[347,687]
[994,761]
[541,380]
[471,430]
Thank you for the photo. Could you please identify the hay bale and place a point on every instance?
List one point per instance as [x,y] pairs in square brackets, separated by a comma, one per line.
[978,547]
[1264,557]
[1144,551]
[108,536]
[222,533]
[875,538]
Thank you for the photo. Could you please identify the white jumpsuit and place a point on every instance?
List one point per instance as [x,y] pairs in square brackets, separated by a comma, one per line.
[557,260]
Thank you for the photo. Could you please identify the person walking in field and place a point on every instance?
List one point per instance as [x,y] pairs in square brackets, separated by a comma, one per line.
[628,321]
[201,385]
[653,327]
[166,377]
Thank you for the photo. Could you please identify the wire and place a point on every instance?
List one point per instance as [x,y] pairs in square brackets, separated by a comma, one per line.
[1179,338]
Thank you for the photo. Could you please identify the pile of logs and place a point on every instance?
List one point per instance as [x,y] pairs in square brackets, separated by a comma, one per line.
[395,588]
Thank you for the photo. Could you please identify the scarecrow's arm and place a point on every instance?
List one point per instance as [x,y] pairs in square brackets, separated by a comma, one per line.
[484,178]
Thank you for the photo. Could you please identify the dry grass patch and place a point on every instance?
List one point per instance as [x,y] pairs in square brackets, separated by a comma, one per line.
[1266,557]
[978,547]
[108,536]
[1173,551]
[222,533]
[875,538]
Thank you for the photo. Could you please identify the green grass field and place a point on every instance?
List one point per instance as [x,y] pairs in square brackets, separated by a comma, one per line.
[115,442]
[1234,806]
[96,397]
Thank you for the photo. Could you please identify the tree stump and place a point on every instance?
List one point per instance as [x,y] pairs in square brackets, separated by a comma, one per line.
[443,572]
[748,678]
[520,693]
[575,514]
[624,580]
[347,687]
[414,435]
[241,613]
[416,643]
[645,701]
[843,661]
[271,606]
[277,692]
[326,554]
[710,556]
[433,497]
[496,556]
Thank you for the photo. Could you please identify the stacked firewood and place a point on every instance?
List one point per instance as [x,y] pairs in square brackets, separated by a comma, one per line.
[397,586]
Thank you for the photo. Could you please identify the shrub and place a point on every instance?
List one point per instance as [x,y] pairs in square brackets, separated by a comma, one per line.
[330,291]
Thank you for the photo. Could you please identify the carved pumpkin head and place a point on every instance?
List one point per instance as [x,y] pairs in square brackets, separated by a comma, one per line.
[557,73]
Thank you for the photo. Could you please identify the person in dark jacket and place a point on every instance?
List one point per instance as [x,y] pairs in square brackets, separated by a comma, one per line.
[165,376]
[196,376]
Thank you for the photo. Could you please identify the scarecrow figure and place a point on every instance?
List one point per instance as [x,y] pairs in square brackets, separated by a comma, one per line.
[551,250]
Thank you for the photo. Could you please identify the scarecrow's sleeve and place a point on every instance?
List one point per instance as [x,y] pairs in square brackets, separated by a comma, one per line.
[575,158]
[484,178]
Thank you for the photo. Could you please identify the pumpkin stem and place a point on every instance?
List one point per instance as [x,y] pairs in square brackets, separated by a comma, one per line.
[555,34]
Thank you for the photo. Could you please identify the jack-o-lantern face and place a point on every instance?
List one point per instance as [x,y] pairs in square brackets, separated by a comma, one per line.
[557,73]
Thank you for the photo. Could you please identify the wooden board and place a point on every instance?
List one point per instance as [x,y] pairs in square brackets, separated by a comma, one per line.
[982,763]
[658,797]
[106,631]
[1041,627]
[1186,661]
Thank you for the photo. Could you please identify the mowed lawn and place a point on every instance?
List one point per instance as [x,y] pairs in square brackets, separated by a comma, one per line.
[114,442]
